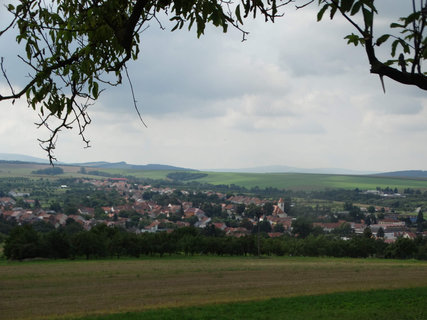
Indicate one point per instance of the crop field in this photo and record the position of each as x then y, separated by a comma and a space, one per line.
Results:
300, 181
296, 181
50, 289
375, 304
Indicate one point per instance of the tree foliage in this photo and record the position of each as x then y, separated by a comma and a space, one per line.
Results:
102, 241
410, 41
76, 48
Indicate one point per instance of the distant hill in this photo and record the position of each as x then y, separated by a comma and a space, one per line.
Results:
21, 157
418, 174
126, 166
98, 164
286, 169
413, 174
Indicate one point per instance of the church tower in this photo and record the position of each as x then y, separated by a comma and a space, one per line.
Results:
281, 204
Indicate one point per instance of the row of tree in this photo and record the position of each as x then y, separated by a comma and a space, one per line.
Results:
102, 241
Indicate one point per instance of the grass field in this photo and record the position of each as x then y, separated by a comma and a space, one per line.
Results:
80, 288
375, 305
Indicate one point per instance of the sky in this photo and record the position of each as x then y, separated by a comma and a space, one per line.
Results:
294, 94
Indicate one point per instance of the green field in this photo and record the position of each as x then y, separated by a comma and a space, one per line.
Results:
291, 181
376, 305
302, 181
49, 289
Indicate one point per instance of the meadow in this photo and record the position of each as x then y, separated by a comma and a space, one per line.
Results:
72, 289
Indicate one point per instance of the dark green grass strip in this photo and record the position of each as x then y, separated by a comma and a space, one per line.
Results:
378, 305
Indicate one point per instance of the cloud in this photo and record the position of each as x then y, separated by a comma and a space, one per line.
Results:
293, 94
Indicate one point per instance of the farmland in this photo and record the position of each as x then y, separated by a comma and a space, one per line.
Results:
293, 181
78, 288
290, 181
300, 181
376, 304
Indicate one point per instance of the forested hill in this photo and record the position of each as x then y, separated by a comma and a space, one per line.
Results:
126, 166
416, 174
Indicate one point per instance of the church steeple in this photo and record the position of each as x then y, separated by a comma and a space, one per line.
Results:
281, 204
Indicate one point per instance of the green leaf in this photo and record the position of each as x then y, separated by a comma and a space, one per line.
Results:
333, 11
396, 25
393, 47
370, 5
412, 17
382, 39
346, 5
95, 90
405, 46
352, 38
238, 16
322, 12
356, 8
368, 17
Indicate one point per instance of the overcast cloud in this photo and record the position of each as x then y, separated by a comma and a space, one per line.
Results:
294, 94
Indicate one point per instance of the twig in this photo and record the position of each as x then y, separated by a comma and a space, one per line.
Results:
133, 97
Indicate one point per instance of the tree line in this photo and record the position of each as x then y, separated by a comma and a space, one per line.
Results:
101, 241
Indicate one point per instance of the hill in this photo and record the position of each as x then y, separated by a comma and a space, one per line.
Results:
125, 166
21, 157
405, 174
287, 169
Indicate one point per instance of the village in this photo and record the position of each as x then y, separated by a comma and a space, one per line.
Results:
234, 215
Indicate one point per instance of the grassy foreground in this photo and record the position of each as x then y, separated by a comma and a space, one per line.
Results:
49, 289
376, 305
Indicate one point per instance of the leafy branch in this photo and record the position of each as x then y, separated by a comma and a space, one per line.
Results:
412, 27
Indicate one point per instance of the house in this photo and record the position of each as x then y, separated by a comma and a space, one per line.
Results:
58, 220
275, 234
108, 210
391, 222
85, 211
237, 232
153, 227
7, 214
173, 208
28, 217
203, 222
285, 221
328, 226
30, 202
220, 225
181, 224
278, 211
78, 219
7, 201
229, 208
358, 228
190, 212
390, 237
44, 216
17, 213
